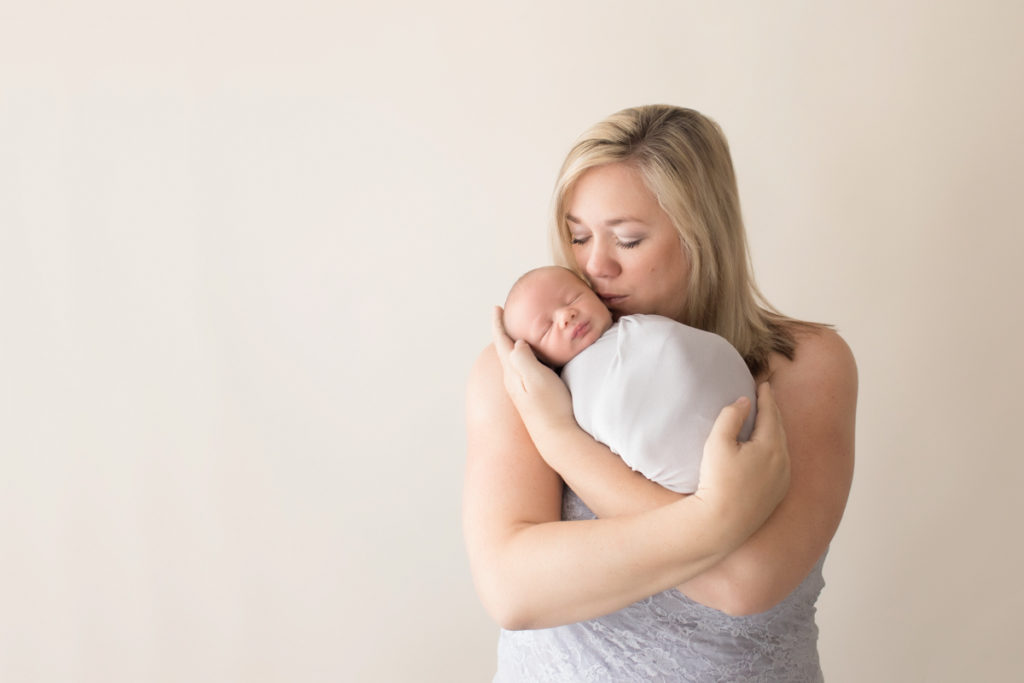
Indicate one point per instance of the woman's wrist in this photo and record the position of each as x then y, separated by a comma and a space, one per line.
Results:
556, 438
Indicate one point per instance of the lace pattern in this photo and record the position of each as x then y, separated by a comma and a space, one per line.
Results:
668, 637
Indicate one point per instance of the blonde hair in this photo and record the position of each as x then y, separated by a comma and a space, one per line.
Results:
684, 160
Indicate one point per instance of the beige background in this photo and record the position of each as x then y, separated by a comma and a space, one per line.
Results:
247, 255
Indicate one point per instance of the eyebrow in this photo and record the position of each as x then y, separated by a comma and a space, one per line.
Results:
611, 222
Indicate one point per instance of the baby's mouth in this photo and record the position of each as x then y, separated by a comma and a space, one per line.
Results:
580, 330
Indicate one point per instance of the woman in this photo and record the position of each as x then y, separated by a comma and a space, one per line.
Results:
719, 585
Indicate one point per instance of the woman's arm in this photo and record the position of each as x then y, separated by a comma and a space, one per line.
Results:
532, 570
816, 395
606, 484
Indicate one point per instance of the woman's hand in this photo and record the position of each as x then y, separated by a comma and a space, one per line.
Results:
540, 396
746, 479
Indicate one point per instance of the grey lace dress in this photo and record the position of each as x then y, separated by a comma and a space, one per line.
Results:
668, 637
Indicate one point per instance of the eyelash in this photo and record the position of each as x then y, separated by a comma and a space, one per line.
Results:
576, 241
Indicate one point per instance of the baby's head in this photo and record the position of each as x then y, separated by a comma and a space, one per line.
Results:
556, 313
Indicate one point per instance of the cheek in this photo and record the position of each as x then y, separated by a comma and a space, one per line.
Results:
678, 267
576, 251
667, 277
660, 268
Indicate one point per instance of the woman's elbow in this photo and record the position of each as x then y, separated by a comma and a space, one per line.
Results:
512, 620
508, 610
499, 593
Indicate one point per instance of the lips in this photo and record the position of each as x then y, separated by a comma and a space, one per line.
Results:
610, 298
580, 330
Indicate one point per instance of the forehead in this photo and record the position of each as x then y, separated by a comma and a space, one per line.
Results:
547, 286
610, 189
548, 279
540, 292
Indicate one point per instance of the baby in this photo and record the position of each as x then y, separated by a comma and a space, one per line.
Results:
648, 387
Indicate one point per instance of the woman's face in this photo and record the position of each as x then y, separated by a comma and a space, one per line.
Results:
626, 244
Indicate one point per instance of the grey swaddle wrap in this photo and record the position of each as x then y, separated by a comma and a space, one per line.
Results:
651, 388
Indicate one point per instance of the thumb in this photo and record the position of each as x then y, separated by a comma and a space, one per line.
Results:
730, 421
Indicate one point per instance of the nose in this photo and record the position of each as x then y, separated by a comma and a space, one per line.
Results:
565, 315
600, 261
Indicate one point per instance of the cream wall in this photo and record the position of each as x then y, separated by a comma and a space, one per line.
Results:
247, 254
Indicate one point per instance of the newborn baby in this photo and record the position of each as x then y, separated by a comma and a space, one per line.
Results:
648, 387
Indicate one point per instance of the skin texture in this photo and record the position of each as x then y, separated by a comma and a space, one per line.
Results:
556, 313
626, 244
731, 545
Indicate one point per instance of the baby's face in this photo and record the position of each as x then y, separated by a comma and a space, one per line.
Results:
556, 314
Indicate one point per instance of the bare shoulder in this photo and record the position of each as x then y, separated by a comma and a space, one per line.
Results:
817, 396
824, 346
822, 367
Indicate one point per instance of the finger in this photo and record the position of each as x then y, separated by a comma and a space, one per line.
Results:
730, 421
523, 362
765, 396
522, 357
502, 342
768, 416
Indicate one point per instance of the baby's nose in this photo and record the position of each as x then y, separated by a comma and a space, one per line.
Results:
566, 315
